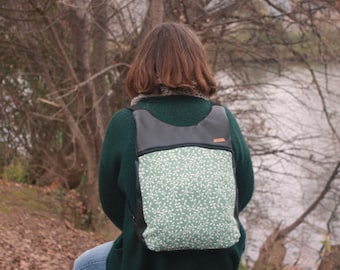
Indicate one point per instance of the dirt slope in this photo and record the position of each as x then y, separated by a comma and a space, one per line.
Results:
37, 228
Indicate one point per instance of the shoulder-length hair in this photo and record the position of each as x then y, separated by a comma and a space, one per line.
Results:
170, 56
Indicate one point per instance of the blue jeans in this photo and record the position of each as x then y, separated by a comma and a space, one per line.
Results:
93, 259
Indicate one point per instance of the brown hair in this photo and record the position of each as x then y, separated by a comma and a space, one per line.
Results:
171, 55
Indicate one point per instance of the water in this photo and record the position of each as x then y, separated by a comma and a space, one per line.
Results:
306, 148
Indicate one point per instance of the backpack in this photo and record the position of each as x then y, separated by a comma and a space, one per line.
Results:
186, 188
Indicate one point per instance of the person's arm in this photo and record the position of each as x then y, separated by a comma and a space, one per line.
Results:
111, 196
244, 167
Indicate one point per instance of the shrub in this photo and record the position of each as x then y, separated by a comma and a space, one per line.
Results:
16, 171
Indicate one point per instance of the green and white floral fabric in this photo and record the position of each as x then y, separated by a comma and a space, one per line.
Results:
188, 196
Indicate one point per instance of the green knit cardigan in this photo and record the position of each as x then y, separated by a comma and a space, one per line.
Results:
117, 183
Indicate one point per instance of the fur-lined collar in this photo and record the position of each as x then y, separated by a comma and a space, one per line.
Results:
168, 92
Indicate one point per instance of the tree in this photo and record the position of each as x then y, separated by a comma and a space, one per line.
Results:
55, 56
59, 55
273, 251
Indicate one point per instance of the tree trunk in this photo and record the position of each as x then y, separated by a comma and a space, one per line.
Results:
156, 12
272, 252
331, 259
101, 103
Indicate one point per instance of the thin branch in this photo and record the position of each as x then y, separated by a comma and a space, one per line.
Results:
50, 118
299, 220
49, 102
57, 40
94, 76
322, 98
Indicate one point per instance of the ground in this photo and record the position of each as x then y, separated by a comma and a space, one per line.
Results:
38, 228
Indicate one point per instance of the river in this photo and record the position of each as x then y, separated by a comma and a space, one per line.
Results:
289, 179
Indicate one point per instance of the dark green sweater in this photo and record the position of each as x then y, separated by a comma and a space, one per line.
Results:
117, 187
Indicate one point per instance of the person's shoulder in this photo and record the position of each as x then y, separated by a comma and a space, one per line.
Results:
123, 114
121, 118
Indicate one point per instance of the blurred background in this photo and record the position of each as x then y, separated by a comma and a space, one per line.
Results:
62, 71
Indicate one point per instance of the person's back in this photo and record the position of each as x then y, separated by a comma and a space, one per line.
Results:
169, 78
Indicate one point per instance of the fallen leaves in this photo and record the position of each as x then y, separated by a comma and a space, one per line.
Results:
37, 240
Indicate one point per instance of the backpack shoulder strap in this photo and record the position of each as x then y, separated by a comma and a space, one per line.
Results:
134, 107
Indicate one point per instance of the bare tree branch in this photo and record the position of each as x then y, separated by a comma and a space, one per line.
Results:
283, 232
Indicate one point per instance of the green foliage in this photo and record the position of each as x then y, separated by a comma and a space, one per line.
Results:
16, 171
60, 193
242, 267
